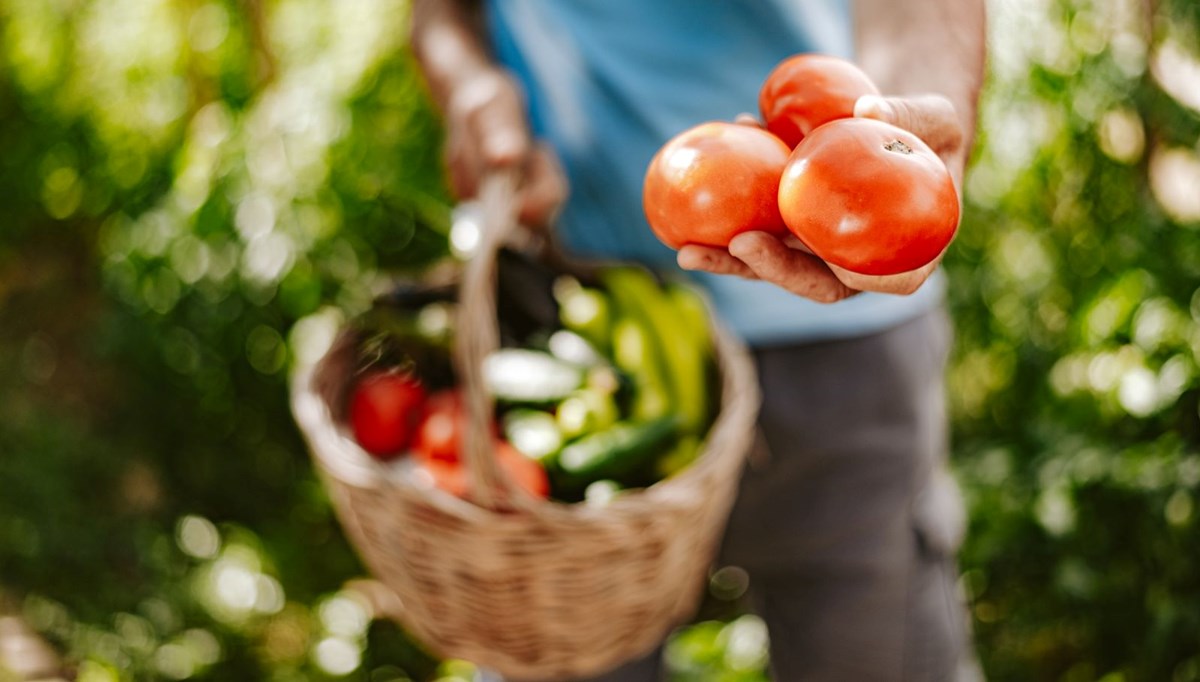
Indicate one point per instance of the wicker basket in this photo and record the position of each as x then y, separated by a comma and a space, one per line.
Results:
534, 590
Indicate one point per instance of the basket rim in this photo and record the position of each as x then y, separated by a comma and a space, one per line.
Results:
338, 456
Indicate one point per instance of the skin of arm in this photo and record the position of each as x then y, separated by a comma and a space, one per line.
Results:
928, 56
487, 127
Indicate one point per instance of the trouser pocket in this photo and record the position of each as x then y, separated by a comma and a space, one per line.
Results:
939, 515
937, 633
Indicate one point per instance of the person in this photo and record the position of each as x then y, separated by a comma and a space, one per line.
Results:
848, 528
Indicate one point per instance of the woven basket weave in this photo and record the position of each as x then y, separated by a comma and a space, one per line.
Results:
534, 590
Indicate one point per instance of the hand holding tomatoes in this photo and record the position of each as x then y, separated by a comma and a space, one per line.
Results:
787, 263
864, 215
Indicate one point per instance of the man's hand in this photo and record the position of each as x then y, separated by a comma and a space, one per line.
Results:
486, 124
486, 130
789, 265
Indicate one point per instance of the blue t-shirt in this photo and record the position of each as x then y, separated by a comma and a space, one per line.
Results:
609, 81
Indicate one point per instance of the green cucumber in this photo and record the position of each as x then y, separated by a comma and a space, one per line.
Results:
573, 348
517, 375
636, 353
694, 312
618, 450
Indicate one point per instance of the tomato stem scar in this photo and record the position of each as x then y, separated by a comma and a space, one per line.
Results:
898, 146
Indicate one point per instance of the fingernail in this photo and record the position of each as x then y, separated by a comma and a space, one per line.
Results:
872, 106
746, 238
747, 120
503, 146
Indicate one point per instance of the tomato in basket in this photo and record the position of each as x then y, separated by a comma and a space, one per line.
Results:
439, 435
525, 473
385, 409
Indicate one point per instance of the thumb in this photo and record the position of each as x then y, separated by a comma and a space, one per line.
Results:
930, 117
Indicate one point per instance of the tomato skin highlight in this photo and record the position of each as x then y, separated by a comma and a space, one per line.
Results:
713, 182
869, 197
384, 411
439, 436
807, 91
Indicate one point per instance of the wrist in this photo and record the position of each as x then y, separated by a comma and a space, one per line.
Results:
449, 45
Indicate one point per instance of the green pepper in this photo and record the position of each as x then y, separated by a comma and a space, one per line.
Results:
684, 357
635, 352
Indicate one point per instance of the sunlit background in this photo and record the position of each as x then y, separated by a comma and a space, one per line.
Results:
195, 192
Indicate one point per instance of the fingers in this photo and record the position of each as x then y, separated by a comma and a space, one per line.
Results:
930, 117
709, 259
544, 189
491, 109
903, 284
747, 120
798, 272
486, 130
759, 255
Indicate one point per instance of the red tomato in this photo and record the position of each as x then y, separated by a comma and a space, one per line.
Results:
713, 182
384, 410
439, 436
448, 476
810, 90
869, 197
525, 473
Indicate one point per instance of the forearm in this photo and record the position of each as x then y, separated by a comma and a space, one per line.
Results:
447, 40
925, 47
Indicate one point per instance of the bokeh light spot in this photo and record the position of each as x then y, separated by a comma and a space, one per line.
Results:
1175, 181
337, 656
344, 615
1121, 136
265, 350
208, 28
197, 537
1179, 507
1178, 72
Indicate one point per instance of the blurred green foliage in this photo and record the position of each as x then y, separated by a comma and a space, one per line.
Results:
184, 180
1078, 316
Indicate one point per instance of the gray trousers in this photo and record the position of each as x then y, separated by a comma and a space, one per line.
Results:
848, 524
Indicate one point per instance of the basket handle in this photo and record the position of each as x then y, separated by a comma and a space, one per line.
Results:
478, 334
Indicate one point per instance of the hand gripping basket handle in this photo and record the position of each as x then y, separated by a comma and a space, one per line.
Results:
477, 335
